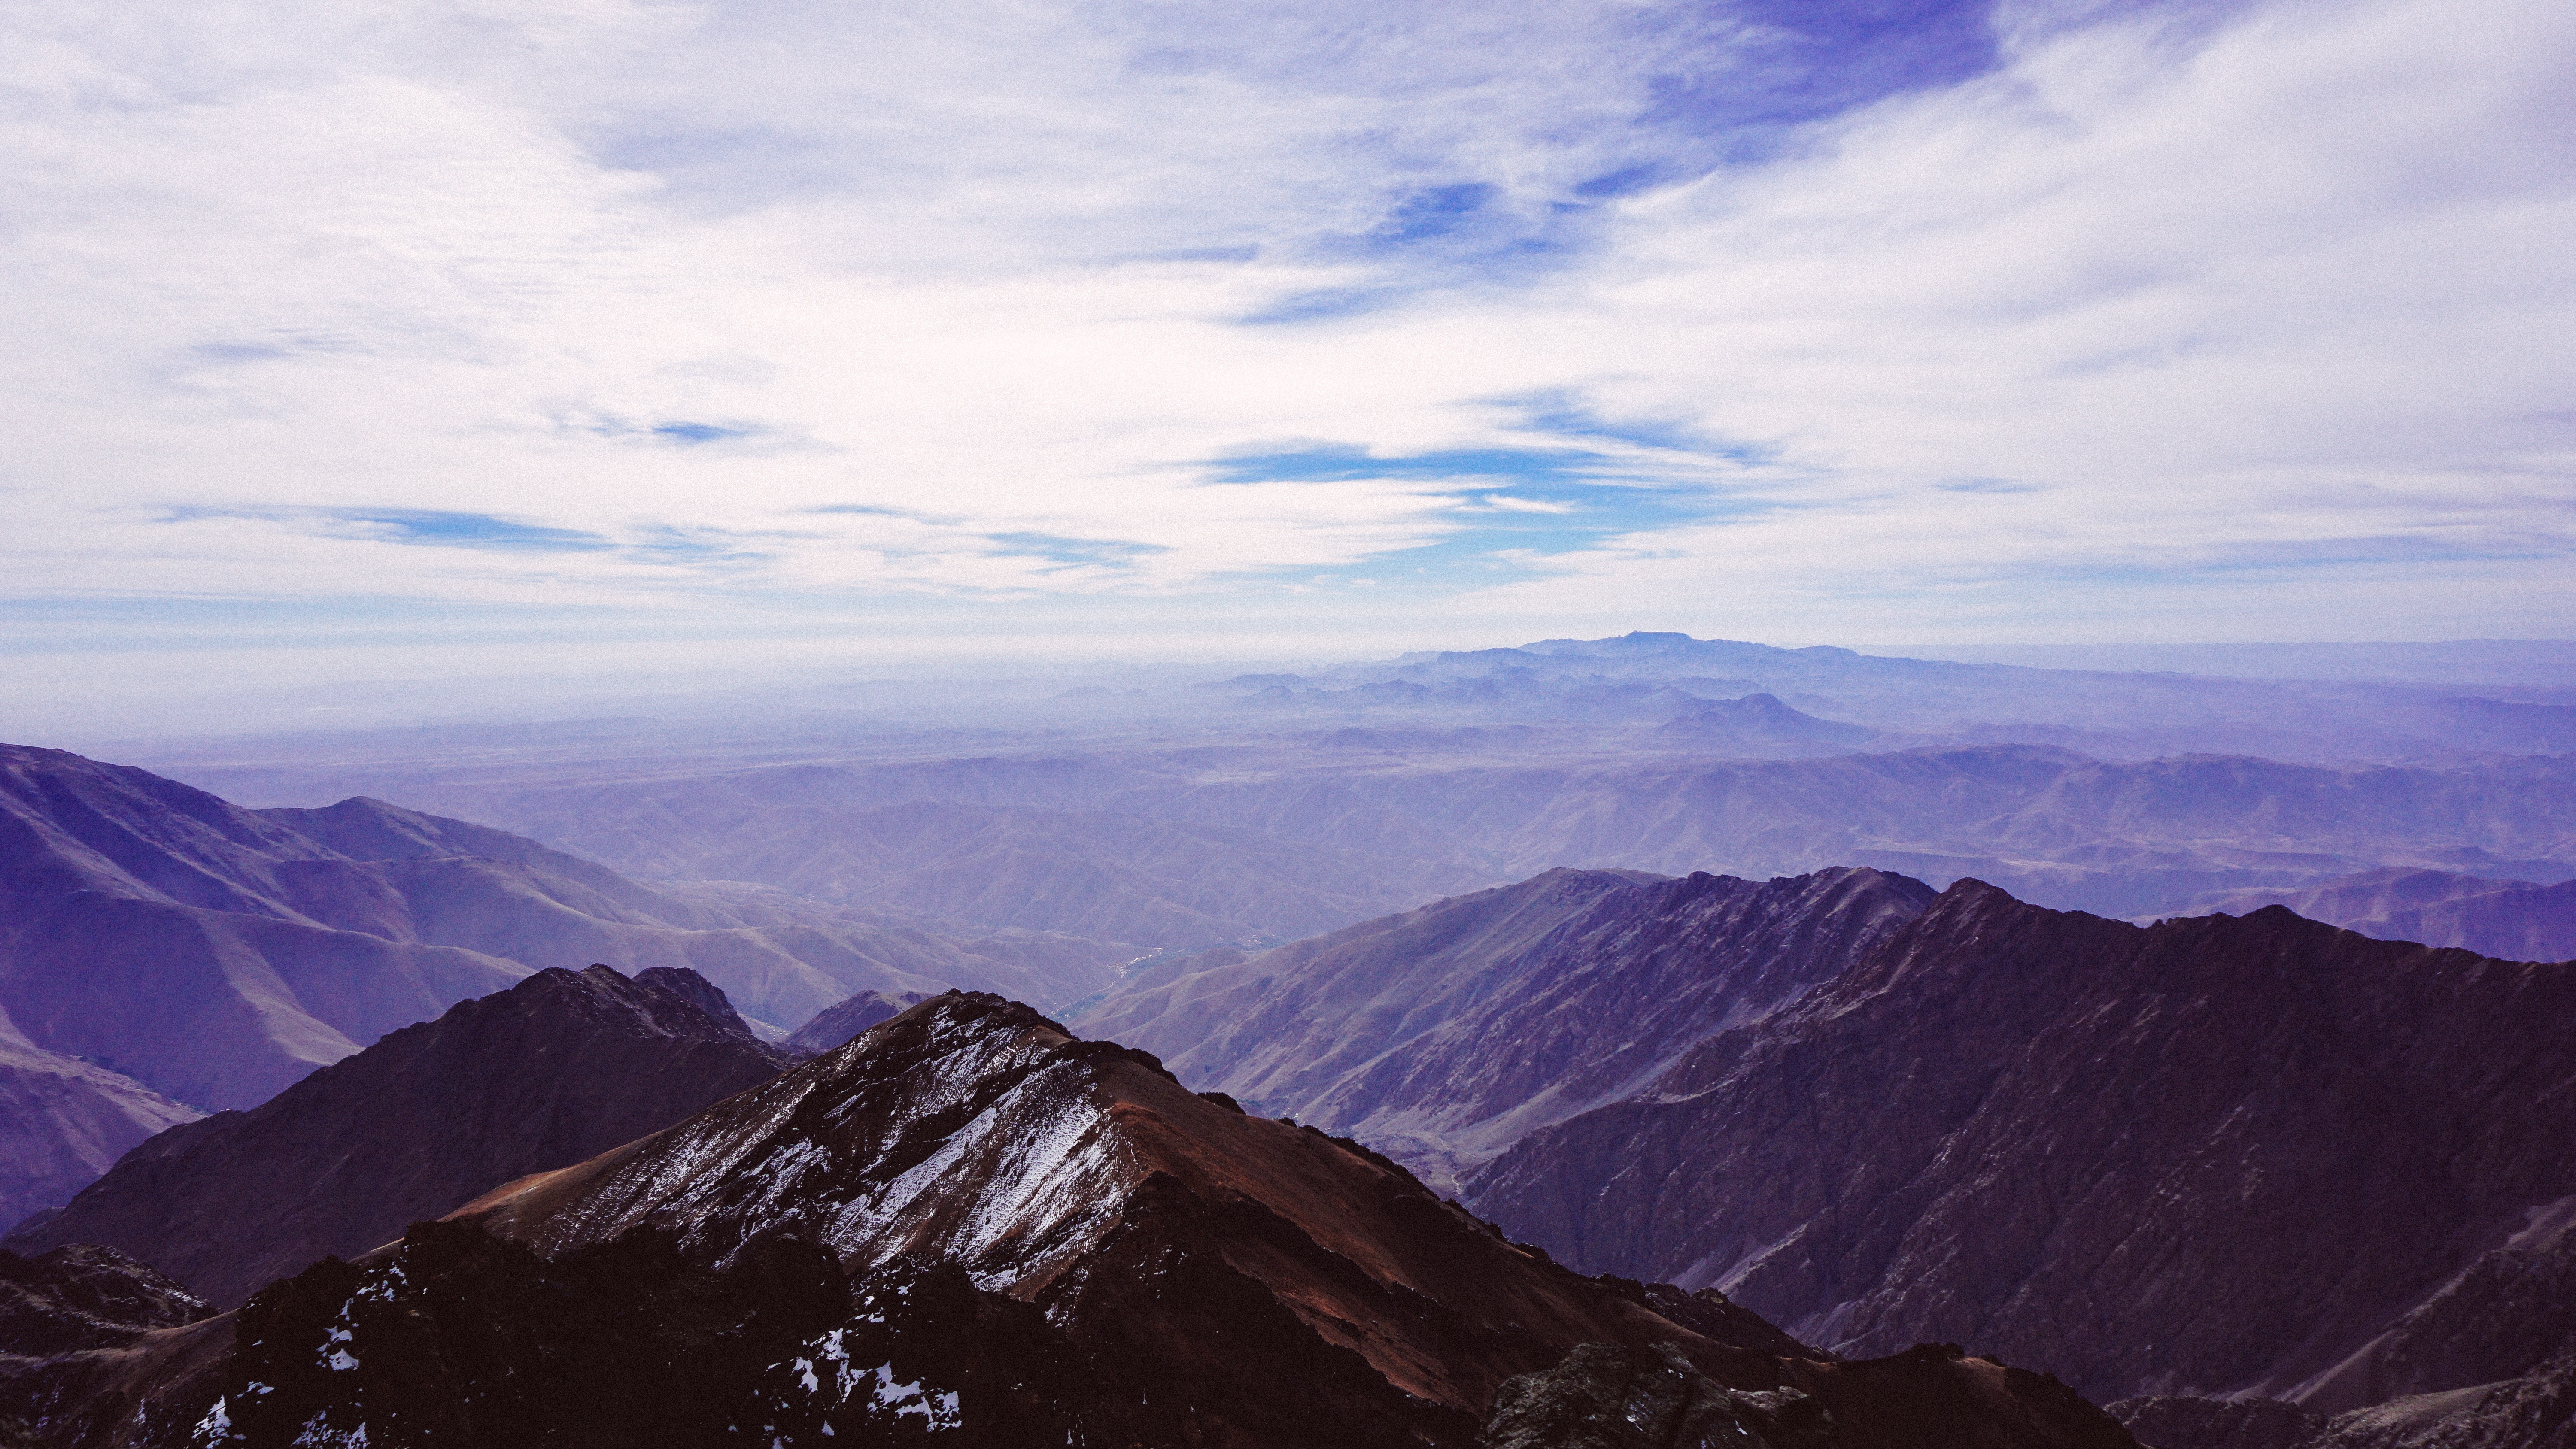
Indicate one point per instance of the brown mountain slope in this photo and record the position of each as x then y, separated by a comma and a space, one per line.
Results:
549, 1072
1443, 1034
2215, 1154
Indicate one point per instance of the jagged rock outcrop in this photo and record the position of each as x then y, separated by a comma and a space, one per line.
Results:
2217, 1154
2533, 1411
837, 1024
1443, 1034
559, 1067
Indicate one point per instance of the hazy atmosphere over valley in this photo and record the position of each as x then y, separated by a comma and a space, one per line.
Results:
1623, 726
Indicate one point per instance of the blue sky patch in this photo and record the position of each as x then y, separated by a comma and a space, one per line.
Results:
697, 432
465, 530
1058, 549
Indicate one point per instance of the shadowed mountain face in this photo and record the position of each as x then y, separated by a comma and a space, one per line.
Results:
1443, 1034
1044, 1241
2215, 1154
559, 1067
2488, 1361
216, 954
2510, 920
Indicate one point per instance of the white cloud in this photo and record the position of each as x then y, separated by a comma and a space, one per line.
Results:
2252, 327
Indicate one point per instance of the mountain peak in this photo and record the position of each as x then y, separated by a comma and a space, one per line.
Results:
548, 1072
1153, 1225
974, 1130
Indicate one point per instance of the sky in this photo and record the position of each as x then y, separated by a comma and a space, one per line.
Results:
375, 339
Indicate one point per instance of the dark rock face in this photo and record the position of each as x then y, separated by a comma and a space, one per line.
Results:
2217, 1154
2534, 1411
84, 1296
1443, 1034
2182, 1421
456, 1337
60, 1313
1605, 1397
2497, 1319
557, 1068
2510, 920
839, 1023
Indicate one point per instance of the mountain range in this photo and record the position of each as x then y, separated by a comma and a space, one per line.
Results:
2512, 920
2218, 1155
1444, 1034
968, 1226
562, 1065
163, 952
1252, 845
2153, 1159
1756, 982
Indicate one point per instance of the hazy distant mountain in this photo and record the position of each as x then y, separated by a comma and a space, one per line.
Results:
216, 954
2153, 711
2217, 1154
1190, 849
2509, 920
837, 1024
155, 930
560, 1066
62, 1121
1109, 875
1443, 1034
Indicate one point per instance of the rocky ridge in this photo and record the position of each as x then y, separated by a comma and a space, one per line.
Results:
967, 1226
1442, 1035
2069, 1139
